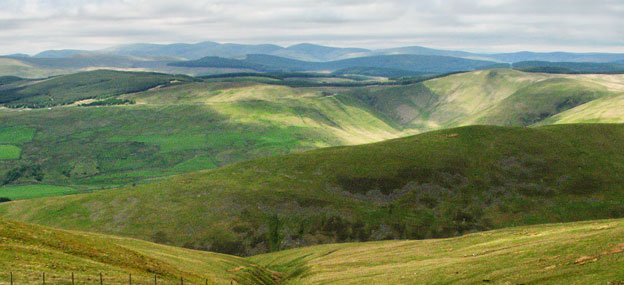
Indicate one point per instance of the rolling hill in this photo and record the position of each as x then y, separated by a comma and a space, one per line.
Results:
573, 253
416, 63
27, 251
437, 184
581, 252
319, 53
67, 89
606, 110
569, 67
208, 58
110, 144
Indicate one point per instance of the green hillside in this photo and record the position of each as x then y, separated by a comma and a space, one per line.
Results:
581, 252
67, 89
182, 128
607, 110
569, 67
542, 100
574, 253
15, 67
28, 251
195, 124
414, 63
438, 184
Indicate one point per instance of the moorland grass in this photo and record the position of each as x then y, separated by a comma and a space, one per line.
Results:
569, 253
28, 251
437, 184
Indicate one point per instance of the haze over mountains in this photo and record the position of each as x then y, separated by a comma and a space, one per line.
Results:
312, 52
209, 58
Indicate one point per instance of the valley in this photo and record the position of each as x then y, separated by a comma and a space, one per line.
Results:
411, 168
436, 184
148, 130
578, 252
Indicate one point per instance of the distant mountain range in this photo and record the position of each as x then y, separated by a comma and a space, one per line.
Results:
406, 62
312, 52
209, 58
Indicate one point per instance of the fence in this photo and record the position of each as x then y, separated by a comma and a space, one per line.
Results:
13, 278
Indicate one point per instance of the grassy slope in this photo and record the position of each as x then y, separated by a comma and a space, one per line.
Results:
497, 97
581, 252
68, 89
28, 250
160, 135
436, 184
505, 97
15, 67
607, 110
573, 253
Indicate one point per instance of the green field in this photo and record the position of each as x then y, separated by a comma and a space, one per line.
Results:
437, 184
9, 152
16, 135
34, 191
581, 252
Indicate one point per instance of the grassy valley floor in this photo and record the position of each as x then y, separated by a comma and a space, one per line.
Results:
579, 253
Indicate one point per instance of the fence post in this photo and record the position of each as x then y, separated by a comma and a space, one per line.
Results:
155, 279
43, 278
101, 281
72, 278
11, 277
181, 281
130, 279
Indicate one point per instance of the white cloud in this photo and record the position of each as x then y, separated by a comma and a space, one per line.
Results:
485, 25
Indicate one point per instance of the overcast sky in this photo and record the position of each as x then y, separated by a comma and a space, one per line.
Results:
30, 26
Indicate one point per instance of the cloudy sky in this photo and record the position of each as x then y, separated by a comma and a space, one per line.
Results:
30, 26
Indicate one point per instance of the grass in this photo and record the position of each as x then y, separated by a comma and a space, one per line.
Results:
28, 251
67, 89
542, 100
580, 252
607, 109
16, 135
573, 253
199, 124
437, 184
10, 152
34, 191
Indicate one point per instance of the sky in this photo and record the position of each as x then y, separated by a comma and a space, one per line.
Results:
31, 26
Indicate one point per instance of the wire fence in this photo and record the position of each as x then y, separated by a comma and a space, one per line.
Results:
74, 278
